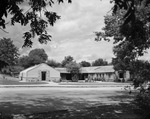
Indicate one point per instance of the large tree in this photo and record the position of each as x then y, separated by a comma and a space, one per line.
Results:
35, 56
38, 16
130, 30
129, 25
67, 60
85, 64
74, 69
8, 51
99, 62
53, 63
24, 61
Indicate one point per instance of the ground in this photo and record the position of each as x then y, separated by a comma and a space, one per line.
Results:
62, 103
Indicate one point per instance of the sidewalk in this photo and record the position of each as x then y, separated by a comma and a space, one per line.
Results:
52, 84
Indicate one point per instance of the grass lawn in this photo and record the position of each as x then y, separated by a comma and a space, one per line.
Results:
58, 103
14, 81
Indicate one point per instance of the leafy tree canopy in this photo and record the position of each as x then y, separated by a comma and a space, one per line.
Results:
8, 51
129, 24
67, 60
35, 56
85, 64
73, 67
99, 62
53, 63
32, 16
24, 61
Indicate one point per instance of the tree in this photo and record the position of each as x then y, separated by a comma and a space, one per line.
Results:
37, 16
24, 61
35, 56
74, 69
12, 70
126, 27
8, 51
99, 62
85, 64
130, 34
53, 63
67, 60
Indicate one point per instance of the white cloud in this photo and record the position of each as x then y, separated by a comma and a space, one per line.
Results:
73, 33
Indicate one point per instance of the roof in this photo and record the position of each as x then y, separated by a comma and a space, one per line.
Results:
62, 70
95, 69
30, 68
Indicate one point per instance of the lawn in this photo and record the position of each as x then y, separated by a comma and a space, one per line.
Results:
15, 81
63, 103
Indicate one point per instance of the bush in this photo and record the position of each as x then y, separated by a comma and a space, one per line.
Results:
75, 78
142, 103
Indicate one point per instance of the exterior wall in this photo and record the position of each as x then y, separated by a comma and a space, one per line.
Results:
126, 75
35, 74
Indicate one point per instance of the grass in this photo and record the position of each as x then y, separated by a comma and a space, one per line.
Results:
11, 81
66, 104
121, 111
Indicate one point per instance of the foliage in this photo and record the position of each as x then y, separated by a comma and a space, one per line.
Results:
142, 103
38, 52
8, 51
24, 61
67, 60
35, 56
12, 70
53, 63
85, 64
128, 26
3, 64
140, 72
33, 16
99, 62
123, 57
74, 69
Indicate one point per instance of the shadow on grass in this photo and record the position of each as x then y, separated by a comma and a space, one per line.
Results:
122, 110
119, 111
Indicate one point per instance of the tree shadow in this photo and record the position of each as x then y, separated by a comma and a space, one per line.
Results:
63, 110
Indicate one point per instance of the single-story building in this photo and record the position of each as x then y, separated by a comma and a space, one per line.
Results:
96, 73
40, 72
44, 72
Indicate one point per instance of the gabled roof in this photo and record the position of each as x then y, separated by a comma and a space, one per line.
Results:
94, 69
30, 68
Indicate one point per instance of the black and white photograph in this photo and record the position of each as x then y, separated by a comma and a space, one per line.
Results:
74, 59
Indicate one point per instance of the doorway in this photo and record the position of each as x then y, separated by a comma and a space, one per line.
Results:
43, 75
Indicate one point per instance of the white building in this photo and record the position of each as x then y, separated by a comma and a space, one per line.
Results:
41, 72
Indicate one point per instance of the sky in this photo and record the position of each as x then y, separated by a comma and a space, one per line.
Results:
73, 34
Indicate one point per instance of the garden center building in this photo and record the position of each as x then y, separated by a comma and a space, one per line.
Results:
44, 72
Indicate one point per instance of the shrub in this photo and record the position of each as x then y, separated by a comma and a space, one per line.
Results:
142, 102
75, 78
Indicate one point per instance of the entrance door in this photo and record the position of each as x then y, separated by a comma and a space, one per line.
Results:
43, 75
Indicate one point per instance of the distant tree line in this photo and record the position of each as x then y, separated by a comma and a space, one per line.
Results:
13, 62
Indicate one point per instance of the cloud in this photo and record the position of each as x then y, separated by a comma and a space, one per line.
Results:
73, 33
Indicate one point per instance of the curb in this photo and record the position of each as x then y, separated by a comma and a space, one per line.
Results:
59, 86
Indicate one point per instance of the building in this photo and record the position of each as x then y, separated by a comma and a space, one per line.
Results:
41, 72
44, 72
97, 73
